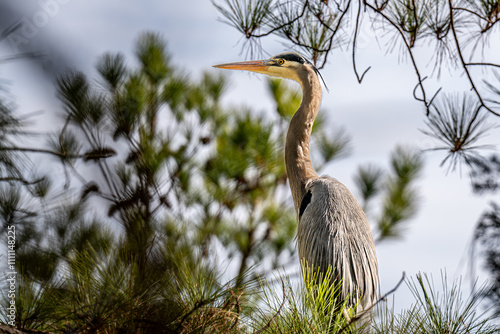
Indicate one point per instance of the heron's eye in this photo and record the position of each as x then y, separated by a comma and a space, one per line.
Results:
281, 61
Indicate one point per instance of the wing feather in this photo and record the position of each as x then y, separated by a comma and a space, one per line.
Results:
333, 231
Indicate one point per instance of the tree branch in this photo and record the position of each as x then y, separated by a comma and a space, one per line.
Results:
383, 298
21, 180
40, 150
274, 316
306, 5
410, 53
482, 64
471, 12
464, 65
355, 38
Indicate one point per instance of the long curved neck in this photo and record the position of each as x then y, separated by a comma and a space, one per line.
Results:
299, 168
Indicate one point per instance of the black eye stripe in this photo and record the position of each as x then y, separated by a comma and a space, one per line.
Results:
293, 57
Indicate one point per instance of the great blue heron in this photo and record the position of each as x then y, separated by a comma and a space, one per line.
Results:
332, 228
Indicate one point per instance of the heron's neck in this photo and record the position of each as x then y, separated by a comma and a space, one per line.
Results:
297, 158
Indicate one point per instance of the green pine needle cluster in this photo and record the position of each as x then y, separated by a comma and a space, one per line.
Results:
438, 310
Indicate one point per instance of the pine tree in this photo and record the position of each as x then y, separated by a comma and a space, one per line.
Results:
160, 184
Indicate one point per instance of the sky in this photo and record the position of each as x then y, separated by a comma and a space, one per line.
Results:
378, 114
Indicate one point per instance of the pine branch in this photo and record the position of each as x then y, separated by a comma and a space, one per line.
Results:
21, 180
464, 65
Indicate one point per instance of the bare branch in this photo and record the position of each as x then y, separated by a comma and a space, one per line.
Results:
410, 53
277, 28
482, 64
39, 150
25, 55
369, 309
471, 12
354, 42
464, 64
274, 316
21, 180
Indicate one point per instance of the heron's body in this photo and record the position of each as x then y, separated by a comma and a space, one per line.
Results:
332, 228
321, 244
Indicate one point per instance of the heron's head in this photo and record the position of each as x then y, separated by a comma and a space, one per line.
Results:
288, 65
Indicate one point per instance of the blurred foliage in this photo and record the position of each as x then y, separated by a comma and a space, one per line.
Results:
401, 197
393, 192
160, 186
485, 174
167, 180
487, 237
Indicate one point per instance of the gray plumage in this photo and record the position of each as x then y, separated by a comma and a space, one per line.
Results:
332, 228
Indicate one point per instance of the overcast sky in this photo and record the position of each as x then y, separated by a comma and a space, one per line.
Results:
377, 115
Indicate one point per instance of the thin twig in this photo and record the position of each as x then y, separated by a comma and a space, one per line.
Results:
197, 305
482, 64
21, 180
469, 127
415, 91
327, 26
9, 30
238, 308
415, 17
369, 309
78, 175
274, 316
306, 5
464, 65
471, 12
433, 97
40, 150
334, 31
25, 55
354, 42
391, 291
410, 53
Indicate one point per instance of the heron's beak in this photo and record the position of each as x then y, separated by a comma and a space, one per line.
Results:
259, 66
